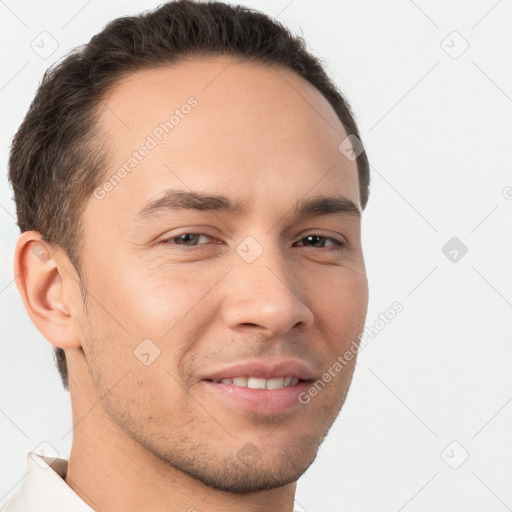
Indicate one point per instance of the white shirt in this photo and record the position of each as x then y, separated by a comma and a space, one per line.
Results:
43, 488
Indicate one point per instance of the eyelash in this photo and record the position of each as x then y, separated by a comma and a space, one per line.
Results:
338, 244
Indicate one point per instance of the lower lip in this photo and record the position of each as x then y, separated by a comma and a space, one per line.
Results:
262, 401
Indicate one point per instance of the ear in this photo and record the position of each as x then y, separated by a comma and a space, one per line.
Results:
42, 274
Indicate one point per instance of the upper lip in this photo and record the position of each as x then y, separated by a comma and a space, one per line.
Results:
264, 370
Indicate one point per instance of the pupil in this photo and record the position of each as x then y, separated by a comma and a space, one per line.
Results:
187, 237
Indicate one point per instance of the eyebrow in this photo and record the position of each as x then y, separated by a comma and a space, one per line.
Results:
189, 200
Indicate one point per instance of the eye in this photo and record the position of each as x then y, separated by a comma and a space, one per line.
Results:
186, 239
314, 239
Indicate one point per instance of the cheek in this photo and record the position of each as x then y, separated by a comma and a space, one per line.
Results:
145, 299
168, 306
172, 309
341, 304
121, 372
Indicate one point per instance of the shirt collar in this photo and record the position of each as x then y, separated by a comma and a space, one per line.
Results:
43, 488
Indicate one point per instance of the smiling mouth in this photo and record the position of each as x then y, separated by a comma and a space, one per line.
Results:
267, 395
260, 383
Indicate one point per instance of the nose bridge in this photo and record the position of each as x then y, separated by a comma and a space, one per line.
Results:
261, 291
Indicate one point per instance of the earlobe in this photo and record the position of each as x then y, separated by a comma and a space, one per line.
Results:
40, 278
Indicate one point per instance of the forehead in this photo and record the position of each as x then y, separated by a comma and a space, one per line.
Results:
216, 124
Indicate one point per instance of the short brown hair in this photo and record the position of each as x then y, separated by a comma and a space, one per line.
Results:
57, 160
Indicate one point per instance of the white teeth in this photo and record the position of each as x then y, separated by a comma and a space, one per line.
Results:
256, 383
259, 383
275, 383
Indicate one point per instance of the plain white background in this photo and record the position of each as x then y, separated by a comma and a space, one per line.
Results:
431, 87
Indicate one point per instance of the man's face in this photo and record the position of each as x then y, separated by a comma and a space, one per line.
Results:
266, 293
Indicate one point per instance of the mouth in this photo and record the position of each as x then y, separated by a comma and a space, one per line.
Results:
260, 383
264, 388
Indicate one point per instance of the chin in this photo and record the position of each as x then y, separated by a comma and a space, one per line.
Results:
236, 476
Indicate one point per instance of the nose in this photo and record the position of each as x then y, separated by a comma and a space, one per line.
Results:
265, 296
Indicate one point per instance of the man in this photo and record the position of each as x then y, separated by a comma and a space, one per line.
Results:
189, 187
